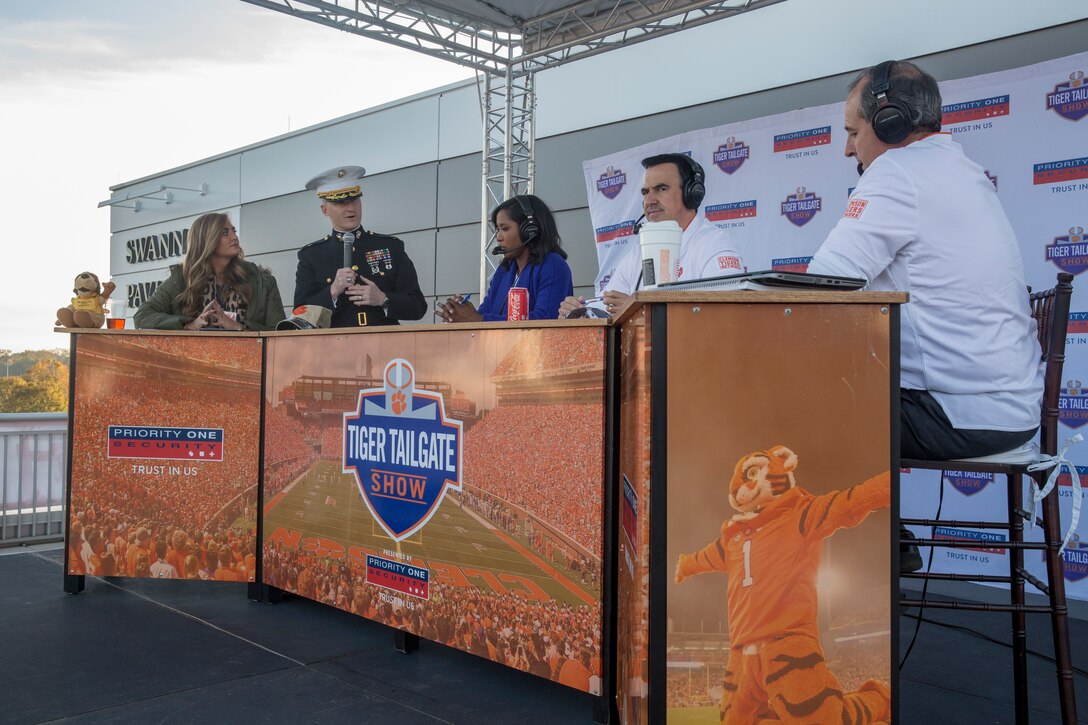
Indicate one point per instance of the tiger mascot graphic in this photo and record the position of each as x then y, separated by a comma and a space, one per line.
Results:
771, 551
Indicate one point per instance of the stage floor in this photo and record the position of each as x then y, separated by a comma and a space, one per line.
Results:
128, 650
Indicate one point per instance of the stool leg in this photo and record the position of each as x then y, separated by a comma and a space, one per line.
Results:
1016, 594
1059, 617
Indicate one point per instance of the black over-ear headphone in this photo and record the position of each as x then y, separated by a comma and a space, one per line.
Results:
693, 189
528, 229
891, 120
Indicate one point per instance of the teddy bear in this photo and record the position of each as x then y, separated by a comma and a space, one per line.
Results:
88, 306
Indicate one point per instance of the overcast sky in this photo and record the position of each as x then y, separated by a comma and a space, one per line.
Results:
96, 92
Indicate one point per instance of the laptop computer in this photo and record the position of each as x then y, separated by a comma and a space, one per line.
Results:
769, 279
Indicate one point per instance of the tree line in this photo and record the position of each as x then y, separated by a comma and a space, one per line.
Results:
34, 381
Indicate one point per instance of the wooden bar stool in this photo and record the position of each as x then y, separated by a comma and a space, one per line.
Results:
1051, 310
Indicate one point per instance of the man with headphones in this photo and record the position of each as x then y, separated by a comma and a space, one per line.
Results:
672, 189
925, 219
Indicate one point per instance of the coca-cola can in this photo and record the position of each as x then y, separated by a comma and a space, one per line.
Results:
517, 304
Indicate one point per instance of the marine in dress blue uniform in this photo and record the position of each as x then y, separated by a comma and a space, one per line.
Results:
381, 287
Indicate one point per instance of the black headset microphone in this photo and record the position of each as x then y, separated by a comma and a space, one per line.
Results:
501, 250
528, 229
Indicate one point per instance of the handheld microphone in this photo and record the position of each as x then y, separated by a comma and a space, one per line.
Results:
499, 250
349, 239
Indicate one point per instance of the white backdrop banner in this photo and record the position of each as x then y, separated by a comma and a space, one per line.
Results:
779, 184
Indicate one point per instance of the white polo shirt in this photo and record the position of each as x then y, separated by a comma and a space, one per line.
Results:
705, 251
925, 219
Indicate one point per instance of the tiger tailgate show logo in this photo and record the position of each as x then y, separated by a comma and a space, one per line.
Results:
611, 182
403, 451
1069, 99
1069, 252
968, 482
1073, 404
731, 155
799, 208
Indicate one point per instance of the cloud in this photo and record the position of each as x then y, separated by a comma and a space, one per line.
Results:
46, 41
100, 93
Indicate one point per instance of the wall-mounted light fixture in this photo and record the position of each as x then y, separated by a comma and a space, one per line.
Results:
166, 198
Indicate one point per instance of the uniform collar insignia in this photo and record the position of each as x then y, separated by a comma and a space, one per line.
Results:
339, 236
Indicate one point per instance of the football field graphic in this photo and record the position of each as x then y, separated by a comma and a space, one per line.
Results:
457, 496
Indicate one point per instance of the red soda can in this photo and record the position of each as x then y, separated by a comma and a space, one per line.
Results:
517, 304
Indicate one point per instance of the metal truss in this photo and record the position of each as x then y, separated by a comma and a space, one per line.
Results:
507, 104
597, 26
492, 38
422, 27
506, 49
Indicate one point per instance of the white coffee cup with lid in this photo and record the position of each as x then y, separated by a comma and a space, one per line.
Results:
660, 242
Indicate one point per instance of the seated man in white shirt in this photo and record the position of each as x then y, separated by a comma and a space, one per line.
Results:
672, 189
925, 219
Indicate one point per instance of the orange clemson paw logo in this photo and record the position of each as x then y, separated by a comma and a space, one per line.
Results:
398, 402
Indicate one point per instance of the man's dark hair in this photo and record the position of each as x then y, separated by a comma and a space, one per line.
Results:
910, 87
683, 162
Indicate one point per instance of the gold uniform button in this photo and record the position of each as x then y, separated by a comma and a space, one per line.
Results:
328, 280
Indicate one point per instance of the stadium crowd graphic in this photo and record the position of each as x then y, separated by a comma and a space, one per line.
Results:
554, 640
632, 598
527, 595
197, 522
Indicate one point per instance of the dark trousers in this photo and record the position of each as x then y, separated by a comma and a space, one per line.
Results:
926, 433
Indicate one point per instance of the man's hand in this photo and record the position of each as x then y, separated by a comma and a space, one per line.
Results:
569, 305
365, 293
345, 277
614, 301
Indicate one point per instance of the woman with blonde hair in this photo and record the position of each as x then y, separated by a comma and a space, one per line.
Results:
214, 287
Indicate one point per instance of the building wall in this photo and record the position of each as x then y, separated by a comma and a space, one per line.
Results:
422, 153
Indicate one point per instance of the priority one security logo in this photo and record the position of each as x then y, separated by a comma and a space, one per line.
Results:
1069, 99
975, 110
403, 451
1070, 251
164, 443
791, 264
1078, 328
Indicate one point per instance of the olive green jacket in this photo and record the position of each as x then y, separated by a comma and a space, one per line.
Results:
162, 312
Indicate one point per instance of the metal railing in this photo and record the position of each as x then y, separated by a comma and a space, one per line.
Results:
33, 456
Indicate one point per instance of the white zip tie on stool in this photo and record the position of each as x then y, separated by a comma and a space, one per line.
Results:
1056, 463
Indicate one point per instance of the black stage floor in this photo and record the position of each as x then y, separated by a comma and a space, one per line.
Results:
129, 650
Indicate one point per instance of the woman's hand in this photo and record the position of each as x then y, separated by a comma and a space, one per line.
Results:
455, 309
205, 317
569, 305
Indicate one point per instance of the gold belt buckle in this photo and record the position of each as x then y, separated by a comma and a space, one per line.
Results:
362, 319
